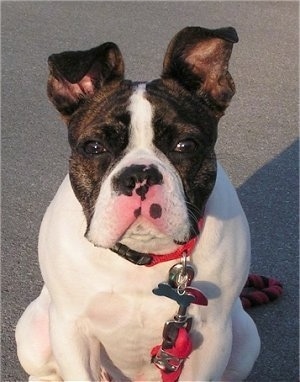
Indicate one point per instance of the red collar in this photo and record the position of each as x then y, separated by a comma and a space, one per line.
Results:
151, 259
186, 248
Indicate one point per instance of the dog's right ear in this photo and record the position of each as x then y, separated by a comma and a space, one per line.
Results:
76, 76
198, 59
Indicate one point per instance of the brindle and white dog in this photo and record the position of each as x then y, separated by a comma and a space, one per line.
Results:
143, 174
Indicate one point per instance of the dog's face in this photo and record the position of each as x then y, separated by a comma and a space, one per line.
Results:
143, 163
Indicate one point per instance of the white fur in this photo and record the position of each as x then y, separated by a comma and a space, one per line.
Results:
97, 309
141, 129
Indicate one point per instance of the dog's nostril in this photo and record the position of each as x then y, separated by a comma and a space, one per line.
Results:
154, 178
129, 182
125, 185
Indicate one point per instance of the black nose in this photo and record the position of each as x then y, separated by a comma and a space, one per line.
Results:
137, 177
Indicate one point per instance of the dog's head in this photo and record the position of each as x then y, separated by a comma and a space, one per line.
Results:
143, 163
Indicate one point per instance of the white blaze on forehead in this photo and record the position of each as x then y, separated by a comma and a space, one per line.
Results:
141, 130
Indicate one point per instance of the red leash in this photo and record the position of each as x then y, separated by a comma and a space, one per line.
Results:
258, 290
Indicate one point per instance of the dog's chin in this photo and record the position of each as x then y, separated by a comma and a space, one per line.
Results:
141, 236
144, 237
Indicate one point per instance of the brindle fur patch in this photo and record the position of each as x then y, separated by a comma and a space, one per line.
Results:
104, 119
179, 116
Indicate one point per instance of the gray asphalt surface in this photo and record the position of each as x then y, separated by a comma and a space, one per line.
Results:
257, 140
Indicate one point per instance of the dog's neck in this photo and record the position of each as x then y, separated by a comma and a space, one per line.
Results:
151, 259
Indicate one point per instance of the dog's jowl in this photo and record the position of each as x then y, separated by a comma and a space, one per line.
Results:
145, 207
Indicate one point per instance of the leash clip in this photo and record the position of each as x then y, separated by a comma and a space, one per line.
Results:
167, 362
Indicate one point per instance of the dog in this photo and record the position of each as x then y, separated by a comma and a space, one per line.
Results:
145, 222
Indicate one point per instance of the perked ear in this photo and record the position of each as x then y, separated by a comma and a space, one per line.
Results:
76, 76
198, 59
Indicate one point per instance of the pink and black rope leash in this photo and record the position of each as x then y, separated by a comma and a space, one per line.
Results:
260, 290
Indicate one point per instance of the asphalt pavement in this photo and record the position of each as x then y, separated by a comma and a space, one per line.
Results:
257, 139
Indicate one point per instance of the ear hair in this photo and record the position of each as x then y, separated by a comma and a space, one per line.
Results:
75, 76
198, 59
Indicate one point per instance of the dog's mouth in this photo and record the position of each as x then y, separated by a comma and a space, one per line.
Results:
142, 230
144, 235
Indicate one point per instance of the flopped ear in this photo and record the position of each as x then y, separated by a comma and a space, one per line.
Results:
75, 76
198, 59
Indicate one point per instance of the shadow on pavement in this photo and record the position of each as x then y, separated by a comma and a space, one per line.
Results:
270, 200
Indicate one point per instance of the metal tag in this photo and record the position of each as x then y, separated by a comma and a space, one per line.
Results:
181, 275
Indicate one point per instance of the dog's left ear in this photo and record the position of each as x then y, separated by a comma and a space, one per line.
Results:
198, 59
75, 76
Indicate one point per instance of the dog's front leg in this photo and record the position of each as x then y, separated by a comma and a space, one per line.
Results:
76, 352
209, 360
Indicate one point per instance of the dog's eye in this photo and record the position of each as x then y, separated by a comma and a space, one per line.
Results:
93, 148
186, 146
